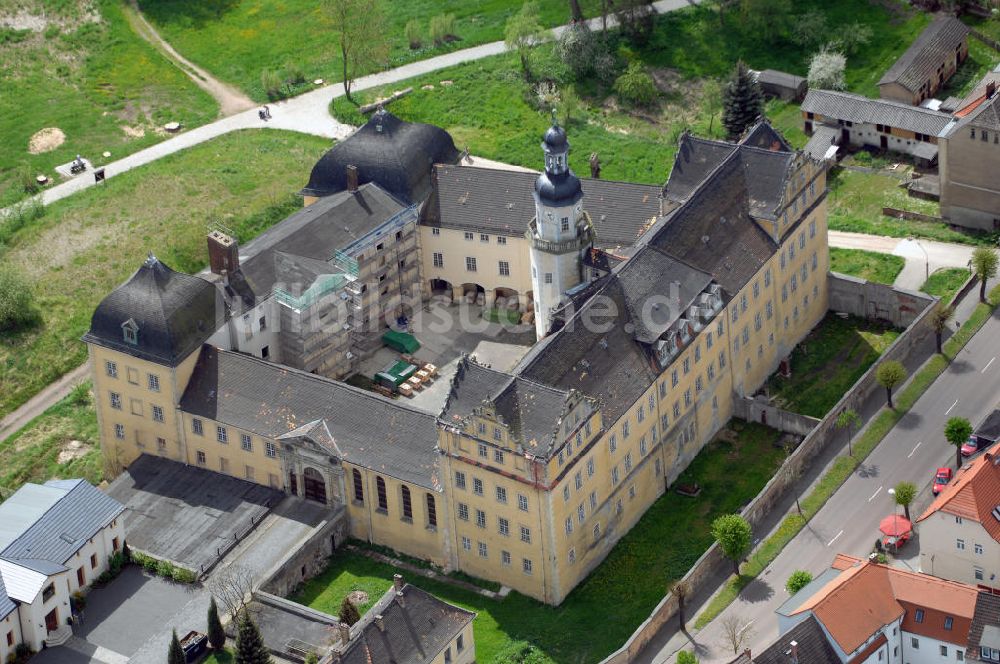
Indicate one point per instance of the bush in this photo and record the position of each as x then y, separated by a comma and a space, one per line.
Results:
293, 74
442, 26
520, 652
271, 82
636, 86
863, 157
686, 657
17, 308
826, 70
412, 32
578, 48
798, 580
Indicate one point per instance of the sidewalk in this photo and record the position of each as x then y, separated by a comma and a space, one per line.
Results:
922, 257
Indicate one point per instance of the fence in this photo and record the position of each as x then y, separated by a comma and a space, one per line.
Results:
712, 563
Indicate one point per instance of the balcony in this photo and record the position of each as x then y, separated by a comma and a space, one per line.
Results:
584, 238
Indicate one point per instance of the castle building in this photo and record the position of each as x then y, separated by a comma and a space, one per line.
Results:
698, 289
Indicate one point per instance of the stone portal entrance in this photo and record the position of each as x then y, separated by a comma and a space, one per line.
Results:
314, 486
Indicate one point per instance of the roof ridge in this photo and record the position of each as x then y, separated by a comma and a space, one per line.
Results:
889, 102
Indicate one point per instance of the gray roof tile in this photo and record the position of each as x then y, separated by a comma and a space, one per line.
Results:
813, 646
856, 108
934, 46
6, 603
987, 613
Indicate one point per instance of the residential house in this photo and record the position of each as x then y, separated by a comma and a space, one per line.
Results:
55, 540
984, 635
960, 530
970, 155
930, 60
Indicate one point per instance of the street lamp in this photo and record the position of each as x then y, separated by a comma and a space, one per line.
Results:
927, 258
892, 492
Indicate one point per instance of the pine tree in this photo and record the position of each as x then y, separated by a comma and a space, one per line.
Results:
742, 101
250, 647
175, 655
216, 635
348, 612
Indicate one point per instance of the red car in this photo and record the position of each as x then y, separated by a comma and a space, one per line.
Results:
941, 480
972, 446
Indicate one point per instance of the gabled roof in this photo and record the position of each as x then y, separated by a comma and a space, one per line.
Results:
498, 201
45, 525
985, 628
857, 108
974, 494
6, 603
867, 596
175, 313
763, 135
396, 155
318, 431
272, 400
23, 583
811, 644
694, 161
920, 62
409, 626
982, 113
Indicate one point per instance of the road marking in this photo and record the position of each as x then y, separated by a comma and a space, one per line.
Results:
877, 492
830, 543
952, 406
913, 451
988, 365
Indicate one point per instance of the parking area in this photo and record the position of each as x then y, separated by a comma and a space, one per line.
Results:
189, 516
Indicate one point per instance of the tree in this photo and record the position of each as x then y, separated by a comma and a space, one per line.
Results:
348, 612
957, 431
940, 317
737, 630
216, 635
636, 19
250, 647
742, 101
175, 654
984, 266
681, 590
733, 533
766, 17
522, 32
809, 29
578, 48
17, 308
722, 6
826, 70
798, 580
575, 13
234, 588
362, 36
636, 86
686, 657
848, 419
890, 374
905, 493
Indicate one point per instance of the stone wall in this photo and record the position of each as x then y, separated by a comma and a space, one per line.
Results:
758, 409
308, 560
847, 294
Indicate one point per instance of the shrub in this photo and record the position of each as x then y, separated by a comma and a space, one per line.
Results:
442, 26
293, 74
17, 308
348, 612
578, 49
547, 95
271, 82
412, 32
26, 178
520, 652
798, 580
686, 657
636, 86
826, 70
863, 157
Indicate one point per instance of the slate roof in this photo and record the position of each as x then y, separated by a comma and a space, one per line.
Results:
973, 494
6, 603
297, 247
813, 646
694, 161
50, 523
416, 627
763, 135
271, 400
396, 155
934, 46
856, 108
497, 201
986, 621
175, 313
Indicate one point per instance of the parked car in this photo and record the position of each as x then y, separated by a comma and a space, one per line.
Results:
941, 480
892, 543
973, 445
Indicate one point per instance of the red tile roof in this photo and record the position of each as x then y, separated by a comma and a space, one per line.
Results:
973, 494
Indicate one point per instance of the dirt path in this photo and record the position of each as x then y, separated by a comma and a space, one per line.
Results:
39, 403
230, 99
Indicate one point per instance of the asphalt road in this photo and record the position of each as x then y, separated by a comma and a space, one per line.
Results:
848, 523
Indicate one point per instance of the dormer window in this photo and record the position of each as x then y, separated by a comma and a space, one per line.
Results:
130, 330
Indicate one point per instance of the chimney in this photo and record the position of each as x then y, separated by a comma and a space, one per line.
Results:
352, 178
399, 598
991, 89
746, 653
397, 581
379, 623
345, 633
795, 652
223, 253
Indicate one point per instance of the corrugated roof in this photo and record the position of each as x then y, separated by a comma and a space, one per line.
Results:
856, 108
820, 142
973, 494
933, 47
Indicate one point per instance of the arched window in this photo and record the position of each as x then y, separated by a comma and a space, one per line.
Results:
359, 488
407, 505
432, 517
383, 502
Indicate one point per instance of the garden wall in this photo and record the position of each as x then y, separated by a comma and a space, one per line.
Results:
308, 560
759, 409
850, 295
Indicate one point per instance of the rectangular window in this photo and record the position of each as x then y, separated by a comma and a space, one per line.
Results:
919, 616
614, 475
470, 263
914, 643
572, 556
505, 558
477, 486
569, 525
246, 442
498, 456
564, 224
526, 566
136, 405
578, 481
501, 239
463, 511
548, 277
677, 409
161, 444
468, 235
593, 500
504, 269
503, 526
116, 401
466, 543
435, 231
590, 468
438, 259
625, 431
708, 339
483, 237
111, 369
960, 544
221, 434
269, 449
502, 495
263, 323
612, 443
120, 431
978, 548
447, 655
949, 622
201, 458
628, 462
154, 382
157, 414
525, 534
522, 502
483, 553
944, 651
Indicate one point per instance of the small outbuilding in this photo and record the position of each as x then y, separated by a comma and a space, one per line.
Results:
782, 85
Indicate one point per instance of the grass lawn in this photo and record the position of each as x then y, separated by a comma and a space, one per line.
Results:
982, 59
224, 657
92, 77
584, 628
262, 34
86, 245
828, 361
67, 429
880, 268
856, 201
945, 282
